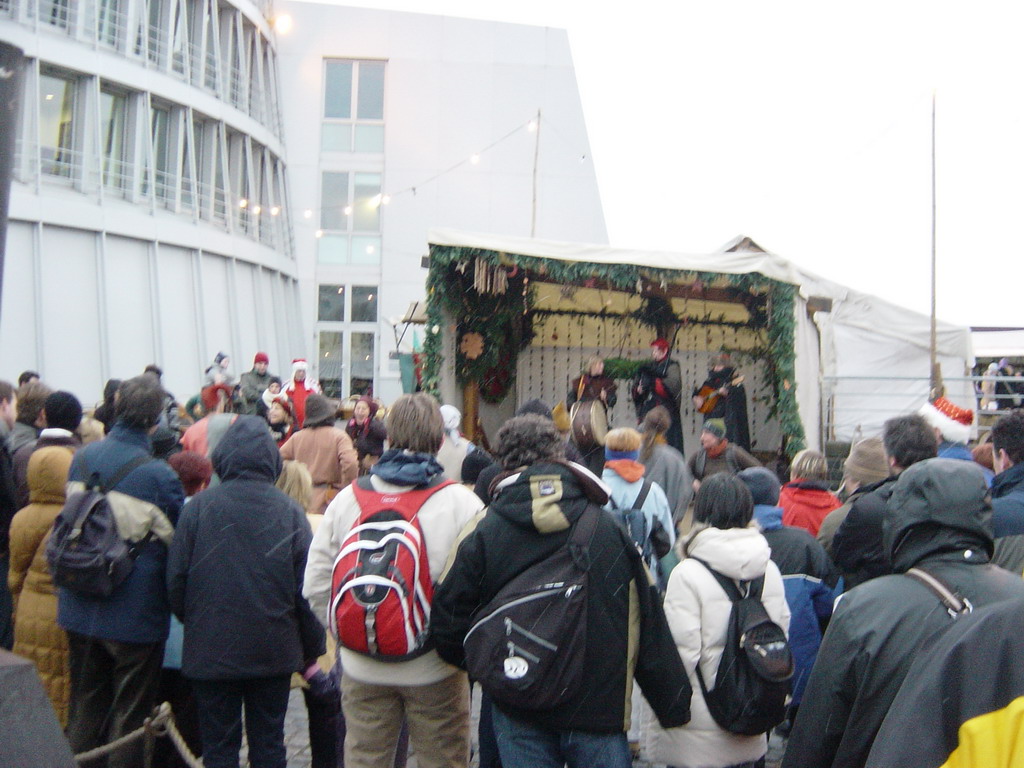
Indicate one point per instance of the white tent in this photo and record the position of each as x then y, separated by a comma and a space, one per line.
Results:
859, 359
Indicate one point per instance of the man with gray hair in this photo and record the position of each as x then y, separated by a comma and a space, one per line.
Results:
116, 643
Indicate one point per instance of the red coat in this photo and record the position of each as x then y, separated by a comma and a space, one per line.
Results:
805, 503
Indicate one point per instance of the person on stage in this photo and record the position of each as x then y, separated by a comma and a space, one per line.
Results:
724, 390
592, 384
659, 382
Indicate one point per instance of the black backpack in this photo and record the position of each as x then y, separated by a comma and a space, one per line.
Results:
752, 683
526, 646
85, 551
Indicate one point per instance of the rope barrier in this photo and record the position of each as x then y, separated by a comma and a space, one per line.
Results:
159, 724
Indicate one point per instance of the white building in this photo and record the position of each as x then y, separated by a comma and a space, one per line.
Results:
190, 181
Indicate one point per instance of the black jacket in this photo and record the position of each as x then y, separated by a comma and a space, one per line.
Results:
972, 674
1008, 518
857, 547
937, 519
625, 620
236, 567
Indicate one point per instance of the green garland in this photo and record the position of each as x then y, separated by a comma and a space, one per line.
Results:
502, 320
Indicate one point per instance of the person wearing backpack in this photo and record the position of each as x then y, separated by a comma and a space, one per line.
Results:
560, 660
937, 521
640, 503
401, 520
699, 611
116, 643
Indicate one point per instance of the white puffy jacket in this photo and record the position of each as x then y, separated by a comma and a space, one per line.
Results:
698, 610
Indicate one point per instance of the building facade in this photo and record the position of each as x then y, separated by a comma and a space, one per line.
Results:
196, 176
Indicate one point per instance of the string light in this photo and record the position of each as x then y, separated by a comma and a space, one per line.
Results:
243, 203
257, 209
307, 214
319, 233
475, 158
275, 210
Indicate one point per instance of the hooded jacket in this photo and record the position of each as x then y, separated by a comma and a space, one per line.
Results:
441, 517
147, 500
698, 611
806, 503
811, 582
36, 634
857, 545
937, 519
235, 571
626, 636
1008, 518
963, 697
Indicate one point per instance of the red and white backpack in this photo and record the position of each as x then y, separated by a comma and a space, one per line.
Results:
381, 589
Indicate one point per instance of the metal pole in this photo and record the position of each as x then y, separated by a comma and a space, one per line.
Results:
12, 77
936, 373
536, 165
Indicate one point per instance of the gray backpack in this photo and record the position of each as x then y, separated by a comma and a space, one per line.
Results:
85, 551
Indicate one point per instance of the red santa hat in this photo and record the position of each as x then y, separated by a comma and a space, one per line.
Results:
299, 364
952, 421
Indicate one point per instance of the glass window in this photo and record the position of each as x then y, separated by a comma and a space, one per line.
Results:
361, 380
57, 124
161, 122
365, 250
366, 207
113, 123
332, 249
332, 303
364, 304
109, 23
369, 138
331, 362
338, 89
337, 137
371, 90
334, 201
55, 12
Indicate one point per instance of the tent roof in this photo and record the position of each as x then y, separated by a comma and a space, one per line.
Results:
739, 256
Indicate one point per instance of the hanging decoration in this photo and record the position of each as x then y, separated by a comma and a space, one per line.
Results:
495, 303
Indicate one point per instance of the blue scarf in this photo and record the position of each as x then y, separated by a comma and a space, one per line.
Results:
406, 468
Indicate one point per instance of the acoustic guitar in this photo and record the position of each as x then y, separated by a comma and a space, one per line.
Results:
712, 396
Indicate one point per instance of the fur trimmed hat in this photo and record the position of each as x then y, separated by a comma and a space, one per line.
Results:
950, 419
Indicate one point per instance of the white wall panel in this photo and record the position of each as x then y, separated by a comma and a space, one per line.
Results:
129, 312
17, 315
70, 312
182, 360
248, 320
215, 309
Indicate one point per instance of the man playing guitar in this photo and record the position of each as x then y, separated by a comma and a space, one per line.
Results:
722, 396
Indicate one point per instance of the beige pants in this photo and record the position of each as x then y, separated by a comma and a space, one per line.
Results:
438, 716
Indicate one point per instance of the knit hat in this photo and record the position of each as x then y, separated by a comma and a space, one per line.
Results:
261, 357
763, 485
220, 357
661, 344
537, 407
866, 463
62, 410
475, 462
952, 421
319, 411
716, 427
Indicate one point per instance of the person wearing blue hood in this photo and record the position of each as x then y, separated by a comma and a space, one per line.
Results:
234, 578
811, 580
432, 695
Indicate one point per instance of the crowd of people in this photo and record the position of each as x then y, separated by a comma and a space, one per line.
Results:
279, 541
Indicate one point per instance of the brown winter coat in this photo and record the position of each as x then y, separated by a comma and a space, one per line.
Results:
329, 455
36, 634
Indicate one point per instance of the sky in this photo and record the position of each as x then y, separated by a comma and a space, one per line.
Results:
806, 126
